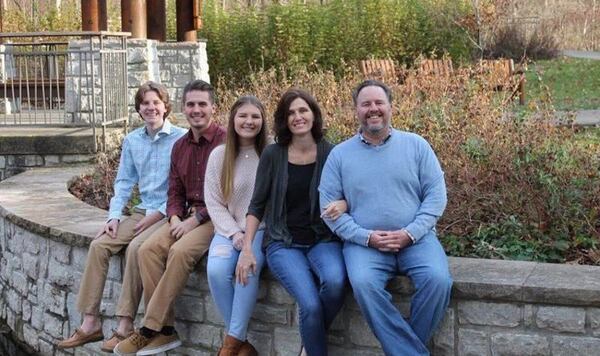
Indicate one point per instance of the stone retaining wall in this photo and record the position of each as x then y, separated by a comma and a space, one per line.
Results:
11, 165
497, 307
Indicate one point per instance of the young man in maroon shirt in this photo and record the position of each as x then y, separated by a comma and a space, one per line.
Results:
167, 258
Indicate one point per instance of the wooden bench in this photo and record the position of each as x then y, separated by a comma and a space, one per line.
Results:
436, 67
501, 75
383, 69
51, 91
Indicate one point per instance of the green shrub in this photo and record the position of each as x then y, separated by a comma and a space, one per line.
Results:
330, 36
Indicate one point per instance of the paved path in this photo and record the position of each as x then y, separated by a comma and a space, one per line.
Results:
582, 54
588, 118
585, 117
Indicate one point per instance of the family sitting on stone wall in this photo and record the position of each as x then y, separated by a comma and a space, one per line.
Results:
365, 209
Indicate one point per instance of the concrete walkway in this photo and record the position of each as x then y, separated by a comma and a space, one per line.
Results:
588, 118
584, 117
581, 54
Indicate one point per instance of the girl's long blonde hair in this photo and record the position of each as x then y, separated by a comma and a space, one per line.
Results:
232, 143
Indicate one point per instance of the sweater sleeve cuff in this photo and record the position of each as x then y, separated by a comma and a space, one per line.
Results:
414, 233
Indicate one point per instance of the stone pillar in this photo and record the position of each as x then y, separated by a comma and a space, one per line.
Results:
142, 66
181, 62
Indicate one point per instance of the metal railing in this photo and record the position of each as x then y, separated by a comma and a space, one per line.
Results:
64, 79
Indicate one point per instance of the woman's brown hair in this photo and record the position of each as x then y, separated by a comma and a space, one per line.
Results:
232, 143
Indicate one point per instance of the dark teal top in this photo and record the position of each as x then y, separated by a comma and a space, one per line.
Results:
269, 198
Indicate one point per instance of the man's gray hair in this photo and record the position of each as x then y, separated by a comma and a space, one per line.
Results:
371, 83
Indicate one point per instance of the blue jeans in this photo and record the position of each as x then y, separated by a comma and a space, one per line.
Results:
426, 264
234, 301
316, 277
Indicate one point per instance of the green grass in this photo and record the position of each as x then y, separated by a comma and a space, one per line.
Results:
571, 83
589, 136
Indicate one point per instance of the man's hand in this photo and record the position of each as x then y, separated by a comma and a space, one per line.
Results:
334, 210
179, 228
238, 240
110, 228
147, 221
389, 241
246, 264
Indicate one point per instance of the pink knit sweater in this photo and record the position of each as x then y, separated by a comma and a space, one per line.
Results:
229, 216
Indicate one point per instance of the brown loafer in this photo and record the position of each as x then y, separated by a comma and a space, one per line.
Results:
247, 350
80, 338
109, 345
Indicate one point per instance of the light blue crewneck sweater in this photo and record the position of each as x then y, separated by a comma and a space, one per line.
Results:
396, 185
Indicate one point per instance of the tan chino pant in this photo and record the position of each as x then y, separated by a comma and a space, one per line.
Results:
96, 268
166, 264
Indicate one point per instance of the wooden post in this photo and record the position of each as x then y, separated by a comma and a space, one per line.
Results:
197, 12
134, 18
157, 20
185, 21
1, 21
102, 15
125, 15
89, 15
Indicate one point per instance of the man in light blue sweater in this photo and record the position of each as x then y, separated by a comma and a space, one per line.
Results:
395, 190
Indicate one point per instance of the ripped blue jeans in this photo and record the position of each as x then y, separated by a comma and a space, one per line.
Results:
234, 301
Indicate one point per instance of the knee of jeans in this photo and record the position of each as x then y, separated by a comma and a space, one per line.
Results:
310, 307
362, 282
438, 280
335, 282
218, 259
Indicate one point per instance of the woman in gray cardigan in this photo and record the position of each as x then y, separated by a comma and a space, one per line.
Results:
302, 253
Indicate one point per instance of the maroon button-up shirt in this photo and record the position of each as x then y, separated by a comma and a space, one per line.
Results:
186, 177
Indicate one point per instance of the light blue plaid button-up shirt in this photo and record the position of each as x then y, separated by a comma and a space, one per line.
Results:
145, 161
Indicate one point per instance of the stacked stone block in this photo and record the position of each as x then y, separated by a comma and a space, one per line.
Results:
11, 164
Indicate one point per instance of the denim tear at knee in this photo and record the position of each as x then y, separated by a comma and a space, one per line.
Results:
223, 251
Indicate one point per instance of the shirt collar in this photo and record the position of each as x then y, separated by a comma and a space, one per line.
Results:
209, 134
165, 129
385, 140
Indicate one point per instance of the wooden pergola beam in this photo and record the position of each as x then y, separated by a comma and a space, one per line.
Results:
134, 18
157, 21
186, 29
94, 15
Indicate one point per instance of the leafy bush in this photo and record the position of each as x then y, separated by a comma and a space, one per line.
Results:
330, 36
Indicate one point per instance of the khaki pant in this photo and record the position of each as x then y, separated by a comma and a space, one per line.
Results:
96, 268
166, 264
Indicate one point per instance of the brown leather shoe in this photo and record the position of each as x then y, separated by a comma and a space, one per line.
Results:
80, 338
231, 346
109, 345
247, 350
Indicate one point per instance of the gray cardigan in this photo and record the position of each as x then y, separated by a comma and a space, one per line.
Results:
268, 199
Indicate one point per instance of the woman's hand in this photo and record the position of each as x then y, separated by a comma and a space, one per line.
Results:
237, 240
334, 210
246, 264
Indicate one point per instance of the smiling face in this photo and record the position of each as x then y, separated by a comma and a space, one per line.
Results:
247, 123
300, 117
373, 110
152, 109
198, 109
